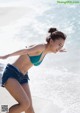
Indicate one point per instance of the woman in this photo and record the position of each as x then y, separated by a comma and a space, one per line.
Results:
15, 77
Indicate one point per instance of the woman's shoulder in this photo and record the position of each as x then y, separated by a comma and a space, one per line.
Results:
40, 47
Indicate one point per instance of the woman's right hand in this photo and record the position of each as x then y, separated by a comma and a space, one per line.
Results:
4, 57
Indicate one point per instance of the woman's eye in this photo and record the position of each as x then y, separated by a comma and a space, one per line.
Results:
60, 45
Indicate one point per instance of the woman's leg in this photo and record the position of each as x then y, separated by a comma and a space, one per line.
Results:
27, 90
16, 90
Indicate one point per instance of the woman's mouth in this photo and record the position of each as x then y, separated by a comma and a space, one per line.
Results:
56, 50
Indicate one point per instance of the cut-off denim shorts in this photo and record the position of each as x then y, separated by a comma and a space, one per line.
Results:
12, 72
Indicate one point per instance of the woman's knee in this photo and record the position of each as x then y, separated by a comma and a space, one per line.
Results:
30, 109
26, 104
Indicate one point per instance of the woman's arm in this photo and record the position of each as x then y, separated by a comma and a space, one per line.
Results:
20, 52
34, 49
4, 57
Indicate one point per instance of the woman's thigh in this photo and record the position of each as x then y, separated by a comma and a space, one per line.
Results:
27, 91
16, 90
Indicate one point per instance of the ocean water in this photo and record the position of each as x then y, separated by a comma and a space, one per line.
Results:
58, 77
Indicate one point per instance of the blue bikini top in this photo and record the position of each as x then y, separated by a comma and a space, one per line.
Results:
35, 59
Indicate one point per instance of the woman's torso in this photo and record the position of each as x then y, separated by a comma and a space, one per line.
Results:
23, 63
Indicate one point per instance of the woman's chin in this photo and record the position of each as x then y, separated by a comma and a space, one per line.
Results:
54, 52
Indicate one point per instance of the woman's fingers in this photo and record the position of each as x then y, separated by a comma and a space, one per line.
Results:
63, 50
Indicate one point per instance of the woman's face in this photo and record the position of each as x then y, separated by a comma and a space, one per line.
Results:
56, 45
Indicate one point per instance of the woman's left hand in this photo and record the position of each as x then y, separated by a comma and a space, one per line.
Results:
63, 50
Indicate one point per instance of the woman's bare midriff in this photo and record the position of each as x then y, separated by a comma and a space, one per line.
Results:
23, 64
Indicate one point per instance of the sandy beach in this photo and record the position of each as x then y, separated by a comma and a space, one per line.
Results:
40, 105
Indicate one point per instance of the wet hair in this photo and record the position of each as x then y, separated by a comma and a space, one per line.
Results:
55, 35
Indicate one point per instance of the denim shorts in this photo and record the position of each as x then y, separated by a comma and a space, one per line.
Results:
12, 72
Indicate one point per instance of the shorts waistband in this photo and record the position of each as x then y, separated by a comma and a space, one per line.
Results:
10, 66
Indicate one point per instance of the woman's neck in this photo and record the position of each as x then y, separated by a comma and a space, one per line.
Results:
47, 49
